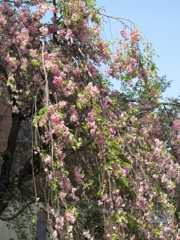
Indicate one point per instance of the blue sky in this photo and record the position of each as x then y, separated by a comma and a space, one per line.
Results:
159, 21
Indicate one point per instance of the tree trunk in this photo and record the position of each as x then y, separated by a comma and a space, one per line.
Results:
6, 186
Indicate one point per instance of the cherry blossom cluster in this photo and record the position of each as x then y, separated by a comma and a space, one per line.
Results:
109, 159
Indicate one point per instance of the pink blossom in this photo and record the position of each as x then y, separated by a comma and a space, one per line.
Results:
55, 118
134, 36
176, 125
65, 134
123, 33
23, 37
61, 33
68, 34
48, 63
173, 172
66, 22
92, 69
44, 31
119, 201
54, 235
73, 118
17, 3
125, 170
61, 156
129, 69
67, 68
15, 109
78, 176
63, 74
70, 216
93, 131
52, 28
51, 109
85, 99
65, 184
43, 121
55, 69
48, 160
62, 104
94, 91
3, 21
77, 71
101, 155
58, 81
59, 223
33, 52
53, 9
42, 8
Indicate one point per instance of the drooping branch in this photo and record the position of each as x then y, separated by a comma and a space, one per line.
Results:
177, 104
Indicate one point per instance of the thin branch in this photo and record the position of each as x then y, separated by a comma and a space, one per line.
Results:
157, 103
45, 74
121, 20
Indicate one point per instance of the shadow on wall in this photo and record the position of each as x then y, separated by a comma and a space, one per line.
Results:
41, 229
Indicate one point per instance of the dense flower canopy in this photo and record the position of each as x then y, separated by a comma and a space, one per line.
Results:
104, 163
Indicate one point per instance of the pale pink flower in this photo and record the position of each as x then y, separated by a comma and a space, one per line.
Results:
44, 31
63, 74
43, 121
48, 63
62, 104
101, 155
53, 9
15, 109
42, 8
55, 118
58, 81
123, 33
77, 71
93, 131
176, 125
67, 68
55, 69
70, 216
134, 36
129, 69
85, 99
61, 33
17, 3
51, 109
66, 22
52, 28
60, 223
125, 171
78, 176
73, 118
68, 34
119, 201
48, 160
54, 235
65, 134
